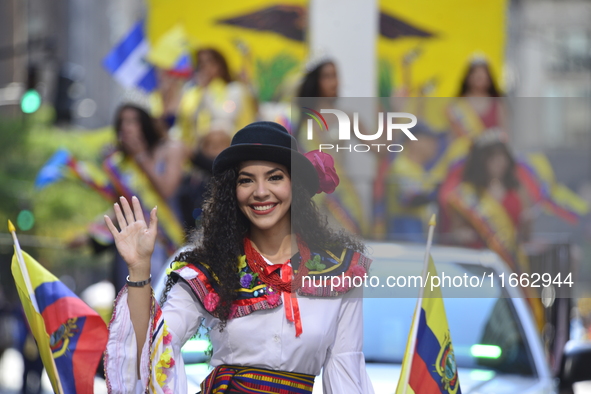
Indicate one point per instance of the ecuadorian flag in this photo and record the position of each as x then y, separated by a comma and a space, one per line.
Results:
430, 368
70, 335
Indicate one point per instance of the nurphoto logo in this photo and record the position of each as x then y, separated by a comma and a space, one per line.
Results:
391, 124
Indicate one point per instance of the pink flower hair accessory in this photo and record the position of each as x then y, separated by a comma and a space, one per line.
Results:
327, 175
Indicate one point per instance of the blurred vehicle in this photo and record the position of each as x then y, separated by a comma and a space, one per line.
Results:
496, 343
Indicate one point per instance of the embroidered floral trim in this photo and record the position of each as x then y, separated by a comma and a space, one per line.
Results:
248, 279
211, 301
316, 287
273, 297
165, 362
175, 266
255, 295
315, 264
163, 367
241, 262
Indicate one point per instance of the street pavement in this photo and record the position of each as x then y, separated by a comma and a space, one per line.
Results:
11, 372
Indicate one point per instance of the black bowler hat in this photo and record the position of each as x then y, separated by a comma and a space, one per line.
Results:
267, 141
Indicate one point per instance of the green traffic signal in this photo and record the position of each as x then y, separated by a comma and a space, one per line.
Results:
25, 220
31, 101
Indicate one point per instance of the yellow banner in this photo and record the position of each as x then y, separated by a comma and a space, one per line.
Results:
265, 27
441, 37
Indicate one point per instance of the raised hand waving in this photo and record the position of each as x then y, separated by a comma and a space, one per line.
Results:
136, 239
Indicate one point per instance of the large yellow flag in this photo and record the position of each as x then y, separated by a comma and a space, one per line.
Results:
429, 364
441, 37
266, 27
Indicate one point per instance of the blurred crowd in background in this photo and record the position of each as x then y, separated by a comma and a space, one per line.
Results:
120, 98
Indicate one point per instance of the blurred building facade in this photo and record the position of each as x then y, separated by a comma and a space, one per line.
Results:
548, 79
58, 46
549, 48
64, 42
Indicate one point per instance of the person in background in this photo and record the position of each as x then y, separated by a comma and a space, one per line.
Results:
479, 106
212, 107
144, 144
32, 363
319, 90
194, 184
213, 101
411, 191
488, 208
147, 164
164, 103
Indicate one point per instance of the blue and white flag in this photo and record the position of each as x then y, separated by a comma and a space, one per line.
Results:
54, 169
127, 64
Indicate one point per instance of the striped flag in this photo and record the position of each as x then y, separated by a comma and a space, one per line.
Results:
70, 335
126, 62
63, 163
429, 364
171, 52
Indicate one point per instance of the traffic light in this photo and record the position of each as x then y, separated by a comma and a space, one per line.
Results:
31, 99
25, 220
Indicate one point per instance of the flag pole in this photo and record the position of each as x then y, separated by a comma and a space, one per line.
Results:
29, 285
23, 266
417, 314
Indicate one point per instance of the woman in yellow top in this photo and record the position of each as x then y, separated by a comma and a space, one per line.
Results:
213, 102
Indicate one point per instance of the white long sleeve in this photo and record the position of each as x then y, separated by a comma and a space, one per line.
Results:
179, 320
344, 367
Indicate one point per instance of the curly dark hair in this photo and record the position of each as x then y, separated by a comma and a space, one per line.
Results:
476, 173
224, 226
150, 130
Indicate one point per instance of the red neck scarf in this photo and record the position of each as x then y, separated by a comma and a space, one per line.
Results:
279, 277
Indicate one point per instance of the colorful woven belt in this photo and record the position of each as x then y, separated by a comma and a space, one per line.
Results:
236, 379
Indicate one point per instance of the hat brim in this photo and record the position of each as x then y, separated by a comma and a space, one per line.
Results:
297, 163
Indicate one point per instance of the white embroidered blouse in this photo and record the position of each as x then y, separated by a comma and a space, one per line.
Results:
331, 341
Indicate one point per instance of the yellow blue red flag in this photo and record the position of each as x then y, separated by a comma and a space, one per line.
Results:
70, 335
430, 368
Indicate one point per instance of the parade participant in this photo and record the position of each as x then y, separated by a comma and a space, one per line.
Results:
479, 106
488, 208
212, 107
319, 90
411, 187
249, 280
149, 165
478, 109
213, 101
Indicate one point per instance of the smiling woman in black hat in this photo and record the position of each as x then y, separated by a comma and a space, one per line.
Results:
270, 279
